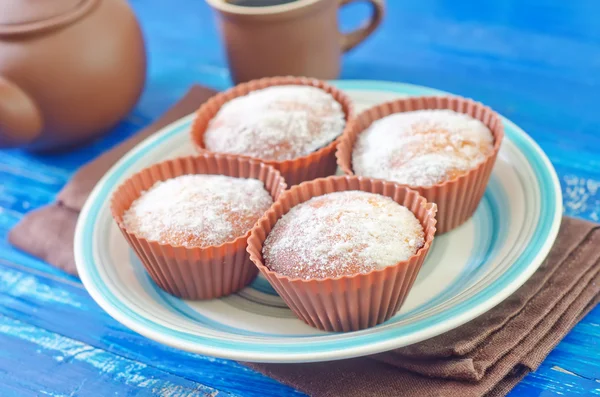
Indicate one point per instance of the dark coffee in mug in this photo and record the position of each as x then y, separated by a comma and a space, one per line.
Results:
259, 3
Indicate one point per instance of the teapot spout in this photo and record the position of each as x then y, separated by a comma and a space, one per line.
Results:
21, 121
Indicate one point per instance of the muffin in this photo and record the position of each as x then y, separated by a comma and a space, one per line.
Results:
188, 220
343, 252
444, 147
276, 123
290, 123
343, 234
198, 210
422, 147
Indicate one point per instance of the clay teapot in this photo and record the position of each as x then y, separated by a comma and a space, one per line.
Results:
69, 70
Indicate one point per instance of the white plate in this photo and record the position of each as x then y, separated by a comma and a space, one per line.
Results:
468, 271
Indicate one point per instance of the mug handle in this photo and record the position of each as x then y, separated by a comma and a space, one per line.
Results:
352, 39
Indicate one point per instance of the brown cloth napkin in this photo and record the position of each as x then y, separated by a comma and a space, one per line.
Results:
486, 356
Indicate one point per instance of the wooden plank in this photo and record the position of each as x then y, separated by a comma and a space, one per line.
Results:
579, 352
552, 380
64, 308
38, 362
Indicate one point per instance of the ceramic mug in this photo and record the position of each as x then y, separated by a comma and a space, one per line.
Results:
299, 38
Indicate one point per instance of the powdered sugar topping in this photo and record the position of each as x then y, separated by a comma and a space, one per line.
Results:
342, 233
421, 148
198, 210
276, 123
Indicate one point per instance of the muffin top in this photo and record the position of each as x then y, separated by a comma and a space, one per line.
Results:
421, 148
197, 210
343, 233
276, 123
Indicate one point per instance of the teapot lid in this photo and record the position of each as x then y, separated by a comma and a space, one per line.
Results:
27, 16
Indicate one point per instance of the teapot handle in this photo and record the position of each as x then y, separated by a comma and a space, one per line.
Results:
20, 119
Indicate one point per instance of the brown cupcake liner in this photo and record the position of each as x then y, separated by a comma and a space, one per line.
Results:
457, 199
317, 164
194, 272
346, 303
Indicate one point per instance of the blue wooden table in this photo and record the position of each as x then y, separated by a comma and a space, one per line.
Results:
538, 65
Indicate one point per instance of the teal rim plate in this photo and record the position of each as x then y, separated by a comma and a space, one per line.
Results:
468, 271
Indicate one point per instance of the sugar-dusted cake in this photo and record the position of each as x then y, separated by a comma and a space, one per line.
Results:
280, 122
342, 234
421, 148
197, 210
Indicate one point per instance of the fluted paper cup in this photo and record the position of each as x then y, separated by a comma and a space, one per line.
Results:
319, 163
194, 272
345, 303
458, 198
